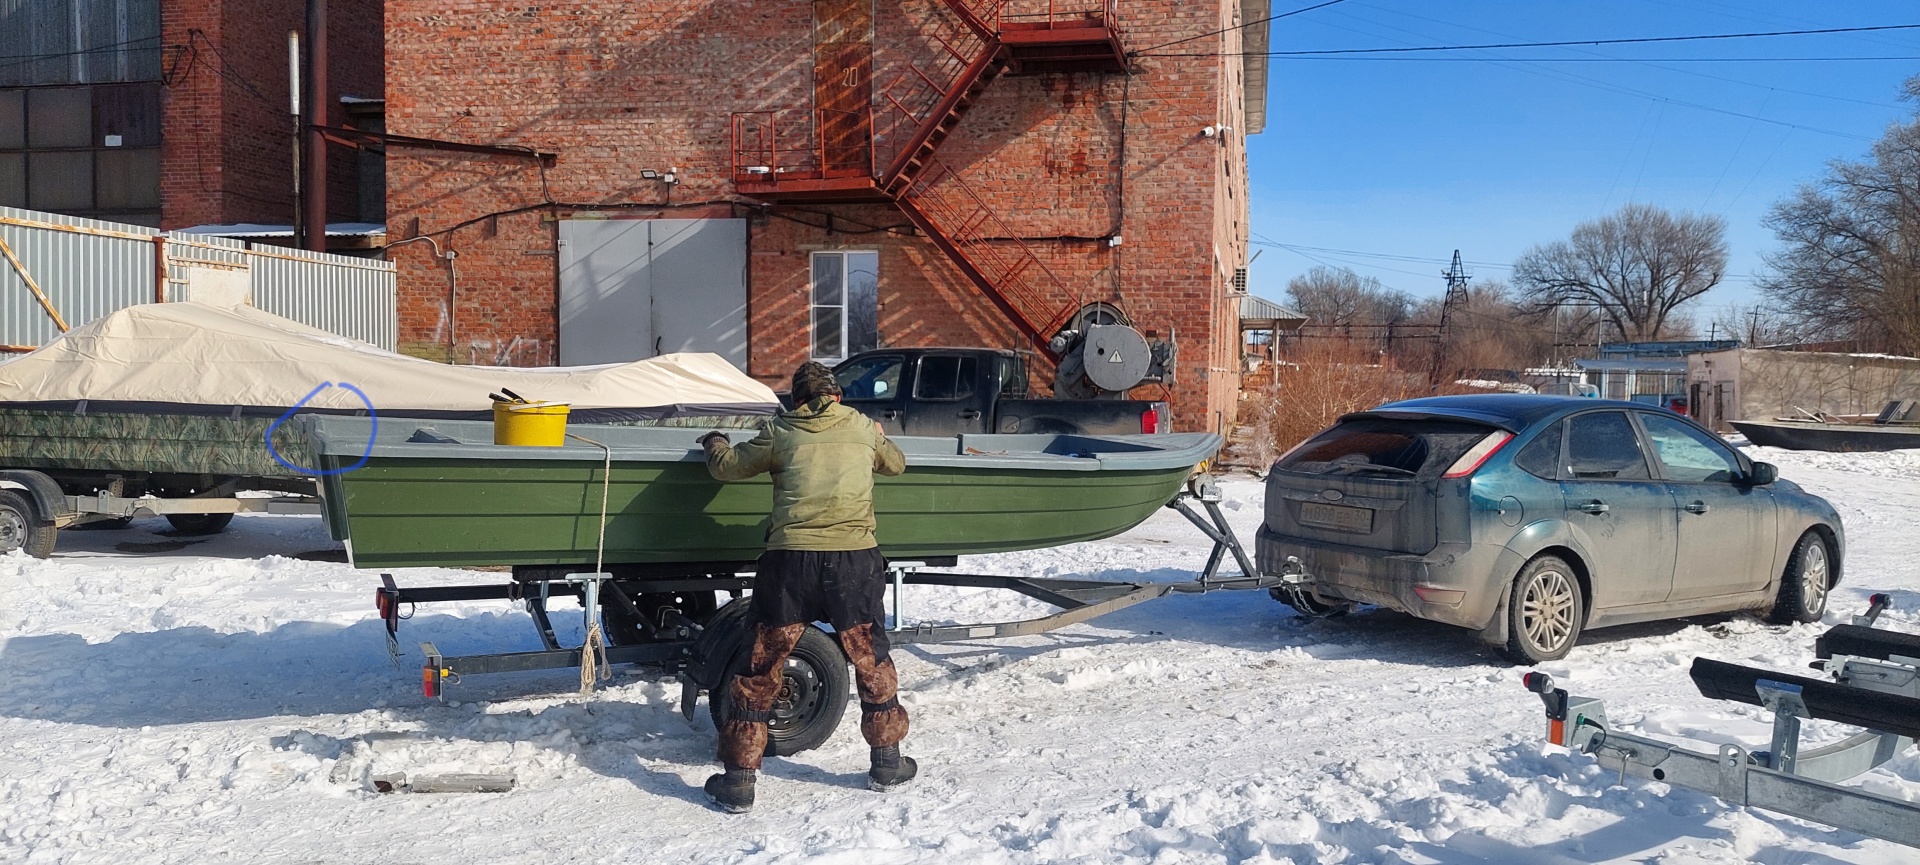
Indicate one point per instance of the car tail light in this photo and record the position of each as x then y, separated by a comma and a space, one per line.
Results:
1471, 460
1150, 420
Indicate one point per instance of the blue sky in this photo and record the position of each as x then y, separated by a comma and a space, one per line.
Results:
1417, 158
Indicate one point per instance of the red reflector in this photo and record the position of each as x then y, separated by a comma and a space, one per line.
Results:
429, 681
380, 602
1434, 595
1150, 421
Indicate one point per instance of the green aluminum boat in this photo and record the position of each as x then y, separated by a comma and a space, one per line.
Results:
441, 494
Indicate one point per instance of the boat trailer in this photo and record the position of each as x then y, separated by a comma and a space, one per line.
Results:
1874, 683
665, 626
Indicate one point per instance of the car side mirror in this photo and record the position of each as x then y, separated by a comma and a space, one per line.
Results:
1762, 474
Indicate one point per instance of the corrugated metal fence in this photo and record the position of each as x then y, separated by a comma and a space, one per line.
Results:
58, 270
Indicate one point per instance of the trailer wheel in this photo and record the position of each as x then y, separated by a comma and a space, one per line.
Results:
811, 701
199, 524
22, 529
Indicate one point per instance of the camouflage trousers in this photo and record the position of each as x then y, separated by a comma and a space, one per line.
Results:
793, 588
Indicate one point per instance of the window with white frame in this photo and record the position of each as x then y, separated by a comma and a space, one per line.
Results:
845, 304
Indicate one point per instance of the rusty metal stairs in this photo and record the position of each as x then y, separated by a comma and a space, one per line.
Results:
922, 107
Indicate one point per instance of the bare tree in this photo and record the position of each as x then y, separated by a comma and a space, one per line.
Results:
1635, 267
1850, 268
1339, 297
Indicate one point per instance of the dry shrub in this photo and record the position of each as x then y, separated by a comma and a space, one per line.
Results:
1313, 386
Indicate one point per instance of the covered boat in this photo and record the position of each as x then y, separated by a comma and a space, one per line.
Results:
190, 389
441, 494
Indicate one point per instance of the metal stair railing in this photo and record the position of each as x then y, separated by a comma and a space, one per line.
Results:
988, 252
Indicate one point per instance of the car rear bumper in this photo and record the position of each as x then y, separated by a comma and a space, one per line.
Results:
1460, 581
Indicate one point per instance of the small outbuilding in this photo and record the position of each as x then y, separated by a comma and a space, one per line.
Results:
1757, 384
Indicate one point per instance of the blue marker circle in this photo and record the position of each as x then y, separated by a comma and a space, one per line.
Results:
372, 434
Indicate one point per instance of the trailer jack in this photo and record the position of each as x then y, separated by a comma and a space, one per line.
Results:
1874, 684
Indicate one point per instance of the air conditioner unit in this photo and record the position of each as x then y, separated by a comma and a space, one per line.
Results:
1239, 280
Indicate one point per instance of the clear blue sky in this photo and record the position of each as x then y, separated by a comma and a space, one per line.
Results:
1418, 158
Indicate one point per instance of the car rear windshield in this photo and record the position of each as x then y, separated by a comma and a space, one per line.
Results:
1385, 447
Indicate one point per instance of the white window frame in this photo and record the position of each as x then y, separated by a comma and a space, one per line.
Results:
845, 319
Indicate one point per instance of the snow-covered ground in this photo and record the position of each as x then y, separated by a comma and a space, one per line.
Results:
226, 700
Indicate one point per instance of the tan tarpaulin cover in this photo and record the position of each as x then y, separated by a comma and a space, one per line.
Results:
195, 354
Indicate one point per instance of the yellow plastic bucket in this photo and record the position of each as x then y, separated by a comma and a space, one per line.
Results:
536, 424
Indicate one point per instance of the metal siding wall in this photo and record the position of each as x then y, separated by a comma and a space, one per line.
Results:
353, 297
87, 276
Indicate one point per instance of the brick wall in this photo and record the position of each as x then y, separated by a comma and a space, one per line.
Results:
1067, 160
226, 138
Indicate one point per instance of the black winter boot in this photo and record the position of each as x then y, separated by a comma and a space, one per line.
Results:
732, 790
890, 769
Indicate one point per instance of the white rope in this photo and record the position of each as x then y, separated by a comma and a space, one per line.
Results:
593, 655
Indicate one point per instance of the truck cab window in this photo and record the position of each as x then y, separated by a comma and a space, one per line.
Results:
945, 377
870, 378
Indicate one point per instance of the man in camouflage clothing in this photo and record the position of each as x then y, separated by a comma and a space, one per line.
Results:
821, 563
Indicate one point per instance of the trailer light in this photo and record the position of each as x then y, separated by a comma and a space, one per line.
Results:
1150, 421
380, 602
1470, 461
1436, 595
429, 681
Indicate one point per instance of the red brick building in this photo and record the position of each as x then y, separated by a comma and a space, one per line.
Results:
784, 179
172, 113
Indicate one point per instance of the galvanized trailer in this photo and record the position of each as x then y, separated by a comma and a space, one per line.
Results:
666, 616
1873, 682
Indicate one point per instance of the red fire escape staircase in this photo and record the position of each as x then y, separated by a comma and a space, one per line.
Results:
788, 157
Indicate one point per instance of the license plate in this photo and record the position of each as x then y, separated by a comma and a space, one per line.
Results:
1338, 517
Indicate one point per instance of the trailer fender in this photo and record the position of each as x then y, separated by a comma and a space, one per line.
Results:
724, 634
49, 501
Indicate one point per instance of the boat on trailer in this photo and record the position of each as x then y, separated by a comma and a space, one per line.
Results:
407, 493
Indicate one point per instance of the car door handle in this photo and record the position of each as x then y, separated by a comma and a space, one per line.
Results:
969, 414
1696, 507
1593, 507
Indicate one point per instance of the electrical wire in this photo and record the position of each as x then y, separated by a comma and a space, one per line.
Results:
1638, 40
1237, 27
1647, 60
10, 60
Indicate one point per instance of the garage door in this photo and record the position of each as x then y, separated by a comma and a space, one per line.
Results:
631, 289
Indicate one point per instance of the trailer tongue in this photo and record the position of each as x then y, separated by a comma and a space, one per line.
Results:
1875, 685
663, 616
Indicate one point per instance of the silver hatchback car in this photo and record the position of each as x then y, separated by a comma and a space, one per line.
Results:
1532, 518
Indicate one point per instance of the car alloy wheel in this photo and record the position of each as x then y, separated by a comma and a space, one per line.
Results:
1813, 577
1547, 611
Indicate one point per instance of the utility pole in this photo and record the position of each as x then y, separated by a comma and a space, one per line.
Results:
1456, 276
1753, 327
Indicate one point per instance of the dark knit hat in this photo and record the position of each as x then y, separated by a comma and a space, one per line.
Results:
812, 381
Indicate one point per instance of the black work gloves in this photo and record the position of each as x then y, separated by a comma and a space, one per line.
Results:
713, 439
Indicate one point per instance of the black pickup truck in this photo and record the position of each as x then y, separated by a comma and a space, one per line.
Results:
948, 391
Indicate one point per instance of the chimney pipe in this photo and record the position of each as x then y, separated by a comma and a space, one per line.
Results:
315, 184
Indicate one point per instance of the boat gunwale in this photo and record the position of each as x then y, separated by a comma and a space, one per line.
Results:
346, 438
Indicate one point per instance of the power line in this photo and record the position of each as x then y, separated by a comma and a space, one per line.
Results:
1639, 40
1240, 26
1650, 60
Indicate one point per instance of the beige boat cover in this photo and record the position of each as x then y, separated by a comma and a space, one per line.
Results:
196, 358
